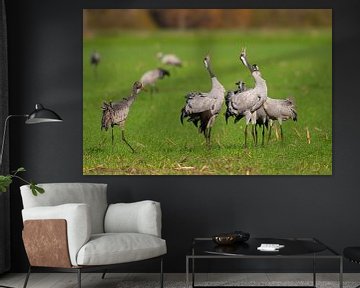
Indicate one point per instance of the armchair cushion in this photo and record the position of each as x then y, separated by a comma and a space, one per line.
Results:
78, 221
138, 217
93, 194
113, 248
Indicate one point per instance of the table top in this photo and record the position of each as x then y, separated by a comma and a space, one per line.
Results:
292, 247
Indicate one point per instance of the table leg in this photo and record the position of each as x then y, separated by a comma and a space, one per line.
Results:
193, 272
187, 272
341, 273
193, 267
314, 271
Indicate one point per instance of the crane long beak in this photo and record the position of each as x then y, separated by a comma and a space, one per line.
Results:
243, 57
243, 60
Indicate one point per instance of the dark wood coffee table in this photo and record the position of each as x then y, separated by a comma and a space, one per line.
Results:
294, 248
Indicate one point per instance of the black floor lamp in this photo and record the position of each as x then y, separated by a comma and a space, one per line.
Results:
39, 115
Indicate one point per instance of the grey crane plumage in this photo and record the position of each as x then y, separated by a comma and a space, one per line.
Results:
280, 110
230, 111
149, 78
245, 103
262, 119
204, 107
116, 113
169, 59
274, 109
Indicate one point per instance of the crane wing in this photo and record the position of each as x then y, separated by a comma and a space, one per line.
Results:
281, 109
199, 103
149, 77
258, 103
171, 59
120, 105
242, 101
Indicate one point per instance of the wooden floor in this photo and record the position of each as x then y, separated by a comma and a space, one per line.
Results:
116, 280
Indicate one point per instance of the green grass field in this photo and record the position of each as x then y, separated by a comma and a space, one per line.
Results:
294, 63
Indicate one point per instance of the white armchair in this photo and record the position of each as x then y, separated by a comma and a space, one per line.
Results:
72, 228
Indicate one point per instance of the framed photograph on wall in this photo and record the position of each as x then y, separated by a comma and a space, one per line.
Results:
207, 92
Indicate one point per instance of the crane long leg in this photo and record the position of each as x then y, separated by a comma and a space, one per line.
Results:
253, 133
281, 133
112, 139
123, 138
269, 132
256, 135
246, 126
263, 135
153, 88
207, 134
112, 136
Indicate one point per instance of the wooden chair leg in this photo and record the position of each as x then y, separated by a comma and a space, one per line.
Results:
27, 277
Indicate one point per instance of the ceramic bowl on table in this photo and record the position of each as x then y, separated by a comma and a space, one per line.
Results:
231, 238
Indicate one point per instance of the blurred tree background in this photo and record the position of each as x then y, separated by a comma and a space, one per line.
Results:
181, 19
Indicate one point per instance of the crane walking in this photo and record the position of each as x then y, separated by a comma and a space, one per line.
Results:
204, 107
245, 103
169, 59
116, 113
280, 110
152, 76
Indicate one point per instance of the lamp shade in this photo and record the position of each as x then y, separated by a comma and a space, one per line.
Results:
42, 115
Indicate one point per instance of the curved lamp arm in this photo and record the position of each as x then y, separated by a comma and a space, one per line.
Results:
4, 134
39, 115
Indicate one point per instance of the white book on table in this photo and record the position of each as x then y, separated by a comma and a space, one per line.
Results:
270, 247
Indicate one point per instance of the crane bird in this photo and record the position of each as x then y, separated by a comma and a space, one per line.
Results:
241, 87
262, 119
246, 103
152, 76
204, 107
169, 59
116, 113
280, 110
272, 109
95, 58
